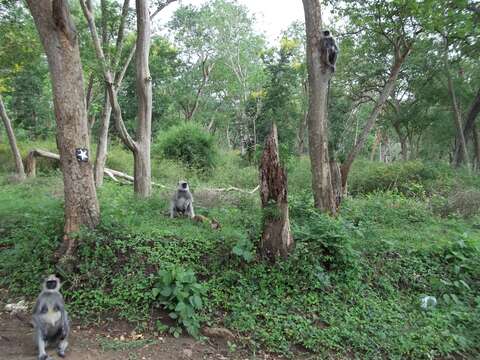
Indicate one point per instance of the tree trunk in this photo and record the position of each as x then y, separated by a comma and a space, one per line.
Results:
476, 143
59, 39
19, 170
301, 134
382, 99
319, 75
461, 152
277, 240
336, 183
102, 146
142, 171
141, 146
472, 114
377, 141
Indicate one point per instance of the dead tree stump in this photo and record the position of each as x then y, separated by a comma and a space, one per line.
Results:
277, 240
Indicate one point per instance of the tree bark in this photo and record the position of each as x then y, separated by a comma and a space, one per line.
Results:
102, 145
382, 99
142, 166
476, 143
141, 146
461, 152
19, 170
59, 39
472, 114
277, 240
336, 182
319, 75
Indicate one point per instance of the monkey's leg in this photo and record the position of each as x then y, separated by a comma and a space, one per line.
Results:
62, 347
41, 345
172, 210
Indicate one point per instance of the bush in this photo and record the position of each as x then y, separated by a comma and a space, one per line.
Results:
180, 293
459, 202
410, 177
190, 144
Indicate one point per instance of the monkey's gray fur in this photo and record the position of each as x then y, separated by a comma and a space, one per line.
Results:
330, 48
182, 201
50, 319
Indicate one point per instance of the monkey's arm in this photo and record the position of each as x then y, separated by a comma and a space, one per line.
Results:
65, 325
40, 326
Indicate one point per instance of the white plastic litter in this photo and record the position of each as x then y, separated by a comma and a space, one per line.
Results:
19, 307
428, 302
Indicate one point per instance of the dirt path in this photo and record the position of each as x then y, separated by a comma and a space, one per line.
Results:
16, 343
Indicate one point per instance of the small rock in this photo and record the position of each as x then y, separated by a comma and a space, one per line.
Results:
16, 308
187, 353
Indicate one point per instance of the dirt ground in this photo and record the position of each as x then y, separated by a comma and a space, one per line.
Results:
109, 342
16, 343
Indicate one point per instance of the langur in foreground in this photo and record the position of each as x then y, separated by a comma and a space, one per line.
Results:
50, 319
182, 201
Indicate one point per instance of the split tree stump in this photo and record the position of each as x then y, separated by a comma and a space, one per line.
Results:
277, 240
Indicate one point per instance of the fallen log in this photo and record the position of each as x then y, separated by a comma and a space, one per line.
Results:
31, 165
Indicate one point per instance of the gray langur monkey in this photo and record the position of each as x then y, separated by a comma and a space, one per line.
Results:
330, 48
182, 201
50, 319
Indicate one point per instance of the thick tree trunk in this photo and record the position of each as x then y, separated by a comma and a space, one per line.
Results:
472, 114
142, 171
336, 182
461, 152
277, 240
59, 39
378, 140
19, 170
382, 99
319, 75
476, 144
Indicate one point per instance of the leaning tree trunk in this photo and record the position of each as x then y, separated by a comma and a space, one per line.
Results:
277, 240
460, 152
319, 75
472, 114
102, 146
382, 99
20, 171
142, 170
60, 41
476, 144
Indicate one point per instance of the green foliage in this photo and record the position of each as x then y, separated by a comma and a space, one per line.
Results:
410, 178
190, 144
179, 292
352, 286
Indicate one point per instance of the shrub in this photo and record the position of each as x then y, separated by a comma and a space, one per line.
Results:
178, 290
190, 144
410, 177
460, 202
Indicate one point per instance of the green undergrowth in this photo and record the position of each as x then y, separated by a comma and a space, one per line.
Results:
351, 289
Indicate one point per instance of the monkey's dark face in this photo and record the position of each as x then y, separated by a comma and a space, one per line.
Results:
183, 185
51, 284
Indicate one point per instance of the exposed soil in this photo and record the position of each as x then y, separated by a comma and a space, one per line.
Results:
16, 343
109, 342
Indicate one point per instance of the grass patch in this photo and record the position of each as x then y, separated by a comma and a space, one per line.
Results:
352, 287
